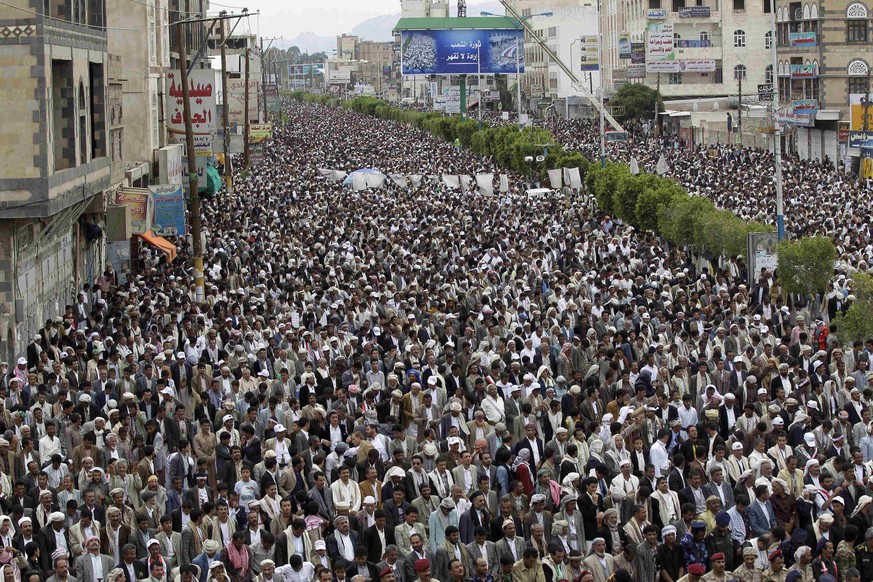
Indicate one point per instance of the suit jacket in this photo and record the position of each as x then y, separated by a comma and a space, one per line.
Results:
593, 565
49, 545
726, 490
458, 475
492, 558
375, 551
503, 548
333, 545
175, 540
193, 496
85, 571
123, 536
759, 521
469, 521
140, 571
409, 561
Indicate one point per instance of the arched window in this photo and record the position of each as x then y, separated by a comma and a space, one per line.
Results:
740, 72
813, 12
856, 10
704, 35
739, 39
768, 74
768, 39
806, 11
857, 68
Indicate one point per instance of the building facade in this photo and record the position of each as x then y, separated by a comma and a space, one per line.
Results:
716, 44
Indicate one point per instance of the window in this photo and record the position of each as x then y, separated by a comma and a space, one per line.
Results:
739, 39
768, 74
857, 68
740, 72
677, 4
856, 10
655, 4
857, 85
768, 40
676, 39
739, 5
704, 36
856, 31
768, 8
675, 78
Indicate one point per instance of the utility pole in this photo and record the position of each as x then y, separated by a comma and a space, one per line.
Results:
777, 140
225, 114
247, 150
657, 128
740, 107
264, 72
193, 193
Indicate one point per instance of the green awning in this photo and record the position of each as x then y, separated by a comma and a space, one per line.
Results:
213, 181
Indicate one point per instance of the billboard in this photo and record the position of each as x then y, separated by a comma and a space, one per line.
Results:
638, 53
694, 12
624, 46
860, 139
236, 100
169, 210
589, 54
804, 72
697, 66
804, 106
140, 207
859, 114
461, 51
636, 71
802, 39
659, 41
259, 132
170, 164
201, 98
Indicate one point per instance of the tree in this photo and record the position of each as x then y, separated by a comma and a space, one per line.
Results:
651, 202
856, 323
637, 100
805, 266
602, 183
680, 221
627, 192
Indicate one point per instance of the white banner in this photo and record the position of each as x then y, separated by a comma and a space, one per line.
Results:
504, 183
415, 179
697, 66
662, 167
451, 181
359, 181
660, 42
575, 179
555, 179
466, 182
398, 179
662, 67
485, 183
374, 180
201, 98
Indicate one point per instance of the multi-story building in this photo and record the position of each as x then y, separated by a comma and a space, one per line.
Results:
824, 60
424, 8
347, 47
716, 44
562, 31
54, 142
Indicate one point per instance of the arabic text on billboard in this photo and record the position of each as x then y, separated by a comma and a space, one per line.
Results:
660, 42
139, 201
860, 139
656, 14
638, 53
697, 66
803, 72
589, 56
169, 213
259, 132
201, 97
459, 51
694, 12
624, 46
804, 106
662, 67
802, 39
636, 71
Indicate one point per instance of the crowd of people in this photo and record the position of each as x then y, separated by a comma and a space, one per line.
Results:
414, 384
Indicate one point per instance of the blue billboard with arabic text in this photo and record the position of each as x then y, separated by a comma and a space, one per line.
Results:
461, 51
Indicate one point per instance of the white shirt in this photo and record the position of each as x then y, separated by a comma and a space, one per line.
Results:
97, 567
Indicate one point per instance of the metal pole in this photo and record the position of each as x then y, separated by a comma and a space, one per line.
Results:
777, 143
479, 81
518, 50
225, 114
246, 147
263, 82
600, 73
193, 193
656, 131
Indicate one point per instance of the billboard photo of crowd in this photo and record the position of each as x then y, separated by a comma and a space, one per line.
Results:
459, 51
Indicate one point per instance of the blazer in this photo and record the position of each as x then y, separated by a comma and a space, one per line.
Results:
333, 545
49, 545
193, 496
759, 522
491, 555
726, 490
85, 571
469, 521
375, 551
458, 476
503, 547
123, 536
139, 570
593, 565
175, 540
409, 561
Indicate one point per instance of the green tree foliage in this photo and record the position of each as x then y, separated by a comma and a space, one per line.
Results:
805, 266
856, 323
603, 182
651, 201
628, 190
637, 100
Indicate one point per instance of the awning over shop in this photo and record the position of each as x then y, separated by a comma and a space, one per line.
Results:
159, 242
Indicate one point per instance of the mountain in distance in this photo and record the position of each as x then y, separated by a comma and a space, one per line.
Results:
379, 28
308, 42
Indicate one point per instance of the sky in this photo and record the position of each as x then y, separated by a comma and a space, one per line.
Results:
323, 17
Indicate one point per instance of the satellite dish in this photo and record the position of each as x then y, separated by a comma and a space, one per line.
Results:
541, 158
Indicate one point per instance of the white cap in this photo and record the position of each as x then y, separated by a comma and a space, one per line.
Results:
369, 500
279, 428
737, 447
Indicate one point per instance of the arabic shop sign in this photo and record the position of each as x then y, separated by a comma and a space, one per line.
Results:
201, 99
694, 12
860, 139
804, 106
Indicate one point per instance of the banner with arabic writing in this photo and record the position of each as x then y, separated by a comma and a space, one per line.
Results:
461, 51
201, 96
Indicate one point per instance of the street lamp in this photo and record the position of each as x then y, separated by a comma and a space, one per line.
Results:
519, 25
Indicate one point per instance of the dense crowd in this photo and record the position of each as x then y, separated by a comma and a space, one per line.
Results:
414, 384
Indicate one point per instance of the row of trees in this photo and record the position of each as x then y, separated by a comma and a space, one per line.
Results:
646, 201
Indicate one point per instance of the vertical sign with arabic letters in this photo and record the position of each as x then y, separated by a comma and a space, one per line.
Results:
169, 210
201, 96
